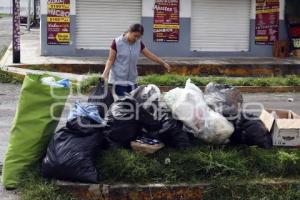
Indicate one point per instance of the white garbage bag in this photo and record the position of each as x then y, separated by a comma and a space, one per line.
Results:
171, 97
188, 105
217, 129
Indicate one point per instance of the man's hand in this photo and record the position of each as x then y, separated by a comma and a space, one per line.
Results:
168, 67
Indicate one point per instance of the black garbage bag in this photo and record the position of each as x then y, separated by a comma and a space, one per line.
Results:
249, 130
71, 156
171, 131
72, 151
224, 99
102, 97
148, 98
122, 125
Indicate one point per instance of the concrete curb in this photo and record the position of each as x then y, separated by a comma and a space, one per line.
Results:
156, 191
243, 89
182, 68
134, 192
20, 74
251, 89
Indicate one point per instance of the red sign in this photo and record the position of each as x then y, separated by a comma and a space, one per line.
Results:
166, 21
58, 22
294, 32
267, 22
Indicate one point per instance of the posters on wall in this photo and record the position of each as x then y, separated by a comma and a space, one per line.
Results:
58, 22
295, 36
267, 22
166, 25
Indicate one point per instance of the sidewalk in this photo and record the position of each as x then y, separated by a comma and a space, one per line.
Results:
220, 66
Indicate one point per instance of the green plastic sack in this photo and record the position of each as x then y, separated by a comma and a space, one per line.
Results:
32, 127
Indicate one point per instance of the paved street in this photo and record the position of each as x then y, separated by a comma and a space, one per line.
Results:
5, 33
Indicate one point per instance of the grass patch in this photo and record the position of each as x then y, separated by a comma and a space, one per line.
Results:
6, 77
34, 187
200, 163
231, 189
4, 15
89, 82
2, 51
233, 172
179, 80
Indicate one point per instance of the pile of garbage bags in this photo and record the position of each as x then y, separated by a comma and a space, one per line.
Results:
144, 120
175, 118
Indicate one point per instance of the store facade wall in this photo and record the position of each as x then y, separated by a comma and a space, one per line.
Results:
172, 49
266, 50
58, 50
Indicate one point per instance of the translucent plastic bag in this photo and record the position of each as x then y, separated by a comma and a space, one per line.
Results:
224, 99
217, 129
188, 106
171, 96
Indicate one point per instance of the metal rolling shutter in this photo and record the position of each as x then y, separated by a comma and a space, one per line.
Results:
220, 25
100, 21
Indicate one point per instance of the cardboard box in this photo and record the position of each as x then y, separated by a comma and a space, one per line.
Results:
284, 126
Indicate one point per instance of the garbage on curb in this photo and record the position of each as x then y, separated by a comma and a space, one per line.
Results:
73, 149
284, 126
188, 105
34, 123
144, 120
250, 130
